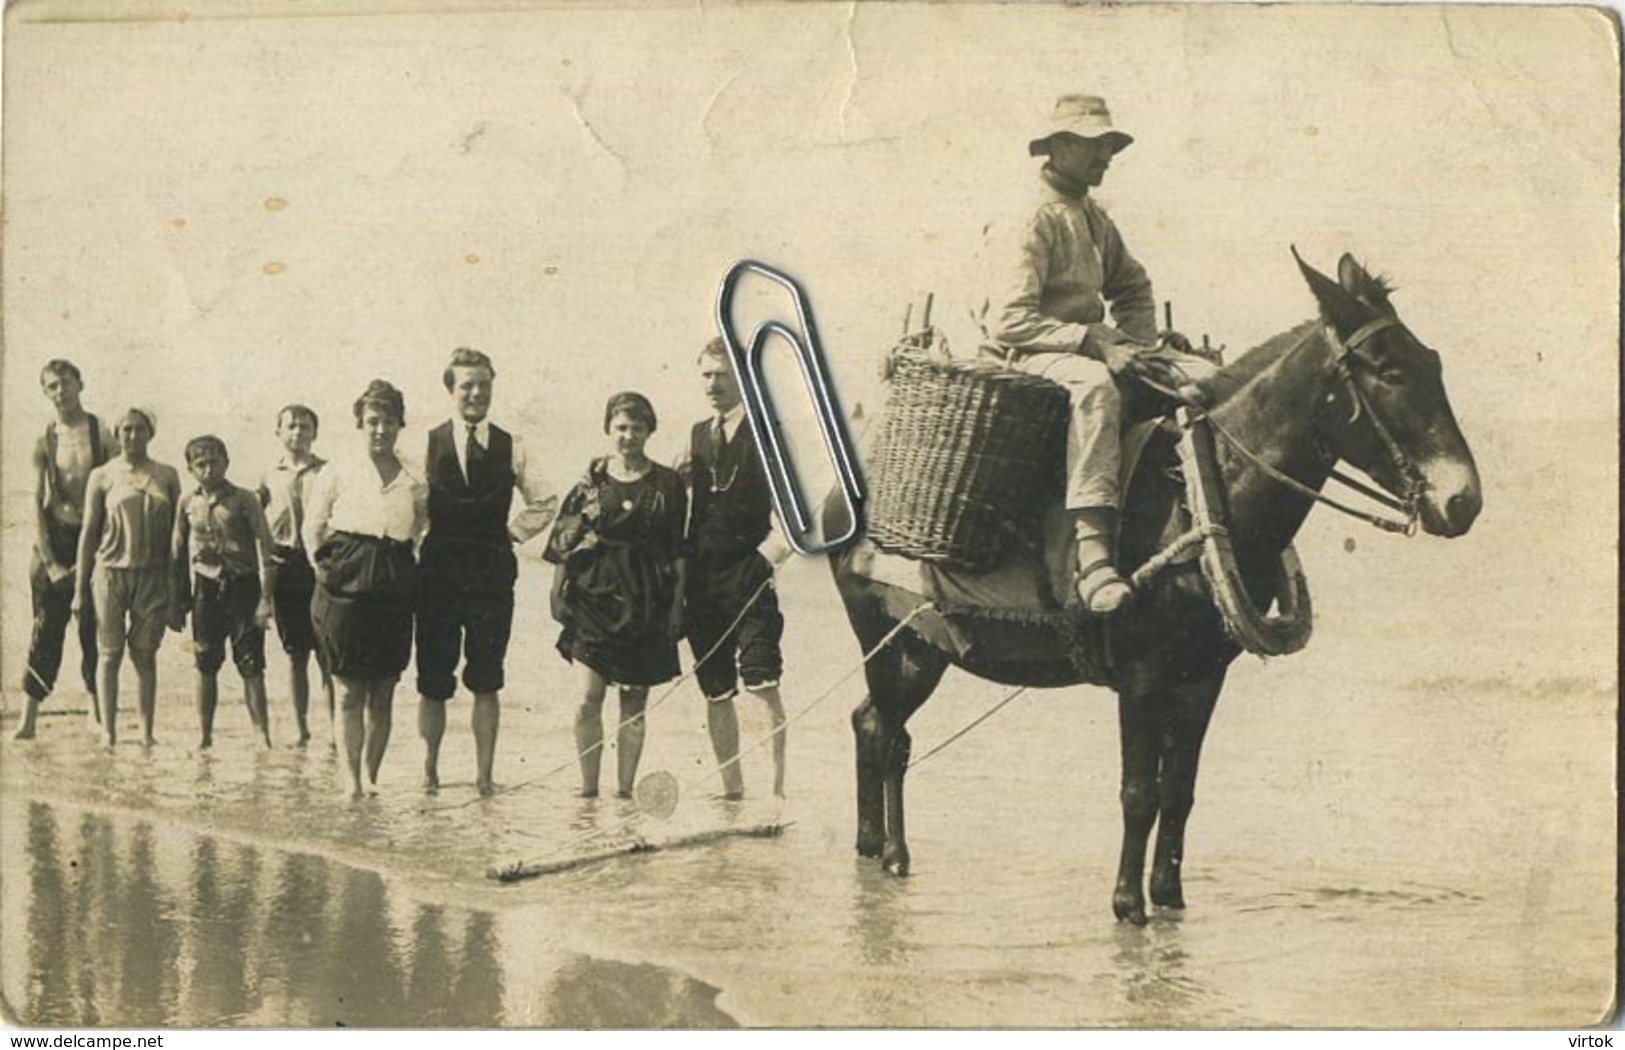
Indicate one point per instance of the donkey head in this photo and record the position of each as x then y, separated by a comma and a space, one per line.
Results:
1388, 414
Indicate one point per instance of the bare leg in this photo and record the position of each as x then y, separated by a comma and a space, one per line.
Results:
380, 716
629, 739
299, 685
722, 721
145, 662
30, 714
486, 720
259, 711
590, 729
775, 711
353, 719
208, 698
107, 669
432, 728
332, 706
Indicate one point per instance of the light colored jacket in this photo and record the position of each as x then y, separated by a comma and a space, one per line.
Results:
1053, 276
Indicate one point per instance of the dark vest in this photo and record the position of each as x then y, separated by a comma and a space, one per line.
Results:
475, 510
732, 506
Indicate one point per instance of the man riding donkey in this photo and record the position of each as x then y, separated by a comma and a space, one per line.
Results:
1047, 310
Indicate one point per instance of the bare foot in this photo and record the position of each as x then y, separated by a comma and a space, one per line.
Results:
206, 743
589, 792
25, 733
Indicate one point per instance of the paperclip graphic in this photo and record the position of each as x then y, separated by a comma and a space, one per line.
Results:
794, 519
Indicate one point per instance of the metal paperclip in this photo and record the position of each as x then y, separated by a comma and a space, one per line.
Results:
794, 519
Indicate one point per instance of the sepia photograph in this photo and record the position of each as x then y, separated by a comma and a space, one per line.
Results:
508, 505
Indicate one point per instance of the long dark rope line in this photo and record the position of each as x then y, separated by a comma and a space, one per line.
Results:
623, 825
570, 763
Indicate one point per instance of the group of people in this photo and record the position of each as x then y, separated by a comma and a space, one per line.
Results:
355, 559
360, 561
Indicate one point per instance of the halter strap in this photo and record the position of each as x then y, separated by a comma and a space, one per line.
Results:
1415, 483
1361, 335
1340, 350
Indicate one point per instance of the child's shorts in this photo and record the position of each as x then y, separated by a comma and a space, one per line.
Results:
224, 610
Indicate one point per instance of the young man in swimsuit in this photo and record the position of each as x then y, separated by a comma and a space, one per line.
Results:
74, 444
734, 623
467, 561
284, 491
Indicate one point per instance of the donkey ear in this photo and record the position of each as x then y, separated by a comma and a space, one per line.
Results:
1363, 285
1337, 306
1351, 275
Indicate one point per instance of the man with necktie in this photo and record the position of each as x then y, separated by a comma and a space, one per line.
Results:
734, 624
467, 561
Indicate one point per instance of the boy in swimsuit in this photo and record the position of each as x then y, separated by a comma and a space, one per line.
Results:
222, 551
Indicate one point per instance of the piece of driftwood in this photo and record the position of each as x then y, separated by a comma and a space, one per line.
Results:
520, 870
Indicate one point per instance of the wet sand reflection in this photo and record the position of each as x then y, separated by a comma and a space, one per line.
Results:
118, 932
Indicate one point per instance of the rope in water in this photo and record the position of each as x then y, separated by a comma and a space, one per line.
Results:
983, 717
621, 826
681, 680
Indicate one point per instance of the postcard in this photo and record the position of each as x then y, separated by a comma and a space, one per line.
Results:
399, 630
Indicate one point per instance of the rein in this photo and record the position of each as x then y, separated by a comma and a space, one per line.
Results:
1342, 351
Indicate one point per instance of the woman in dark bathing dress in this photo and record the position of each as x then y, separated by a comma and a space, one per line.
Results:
618, 589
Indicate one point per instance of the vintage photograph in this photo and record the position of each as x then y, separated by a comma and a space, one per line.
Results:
406, 623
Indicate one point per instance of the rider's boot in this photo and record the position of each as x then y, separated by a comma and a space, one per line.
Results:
1101, 590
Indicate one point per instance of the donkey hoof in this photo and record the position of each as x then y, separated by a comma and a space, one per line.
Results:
1167, 893
895, 861
1129, 907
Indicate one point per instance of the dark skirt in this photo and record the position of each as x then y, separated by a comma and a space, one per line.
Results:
615, 611
362, 610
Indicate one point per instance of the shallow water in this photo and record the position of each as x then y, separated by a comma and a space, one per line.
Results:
1410, 824
1365, 852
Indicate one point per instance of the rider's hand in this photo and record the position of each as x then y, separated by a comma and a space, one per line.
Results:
1120, 358
1172, 340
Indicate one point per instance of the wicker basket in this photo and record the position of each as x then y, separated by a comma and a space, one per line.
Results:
969, 458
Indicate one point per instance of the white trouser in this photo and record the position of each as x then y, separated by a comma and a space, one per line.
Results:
1095, 424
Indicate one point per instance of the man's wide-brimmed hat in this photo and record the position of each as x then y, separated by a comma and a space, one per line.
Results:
1085, 116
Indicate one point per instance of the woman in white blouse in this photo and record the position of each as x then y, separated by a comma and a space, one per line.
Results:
364, 519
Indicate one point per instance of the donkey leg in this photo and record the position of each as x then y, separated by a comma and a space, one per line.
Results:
1190, 709
894, 858
871, 750
1138, 730
901, 679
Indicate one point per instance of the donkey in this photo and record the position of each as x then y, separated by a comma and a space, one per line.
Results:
1354, 385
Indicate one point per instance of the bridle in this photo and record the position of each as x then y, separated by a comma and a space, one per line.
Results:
1346, 353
